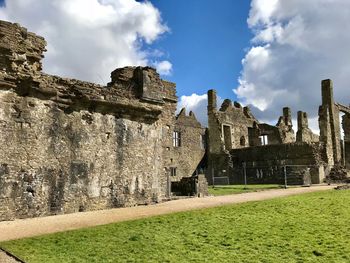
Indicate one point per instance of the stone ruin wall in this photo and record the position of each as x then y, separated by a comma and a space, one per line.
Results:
264, 164
189, 157
227, 129
244, 128
245, 132
304, 133
285, 126
329, 125
346, 128
231, 116
69, 145
281, 150
328, 149
54, 162
328, 146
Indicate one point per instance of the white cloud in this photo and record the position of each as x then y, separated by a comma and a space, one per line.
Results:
87, 39
257, 58
268, 34
163, 67
313, 125
296, 44
261, 11
197, 104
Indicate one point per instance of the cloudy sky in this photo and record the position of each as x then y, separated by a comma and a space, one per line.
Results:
264, 53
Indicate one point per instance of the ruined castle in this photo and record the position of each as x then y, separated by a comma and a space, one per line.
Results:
238, 140
69, 145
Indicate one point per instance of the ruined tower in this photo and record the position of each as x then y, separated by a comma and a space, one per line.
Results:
346, 128
329, 124
214, 138
304, 133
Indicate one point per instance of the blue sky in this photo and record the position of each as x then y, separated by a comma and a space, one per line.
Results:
206, 43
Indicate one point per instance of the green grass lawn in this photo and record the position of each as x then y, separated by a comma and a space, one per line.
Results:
238, 189
306, 228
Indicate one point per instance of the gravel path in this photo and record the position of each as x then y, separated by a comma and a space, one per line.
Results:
6, 259
43, 225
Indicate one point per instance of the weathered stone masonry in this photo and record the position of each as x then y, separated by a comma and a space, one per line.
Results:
69, 145
237, 140
187, 154
233, 128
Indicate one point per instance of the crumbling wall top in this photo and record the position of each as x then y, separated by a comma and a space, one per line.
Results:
142, 82
212, 101
20, 50
169, 90
187, 120
133, 91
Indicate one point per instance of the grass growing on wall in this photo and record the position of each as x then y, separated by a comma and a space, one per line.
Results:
239, 189
307, 228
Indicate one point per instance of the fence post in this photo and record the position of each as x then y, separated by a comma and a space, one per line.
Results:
212, 173
285, 176
245, 174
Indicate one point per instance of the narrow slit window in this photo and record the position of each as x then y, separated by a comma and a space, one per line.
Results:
172, 171
264, 139
176, 139
203, 142
227, 137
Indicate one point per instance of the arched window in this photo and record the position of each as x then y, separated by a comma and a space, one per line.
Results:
242, 141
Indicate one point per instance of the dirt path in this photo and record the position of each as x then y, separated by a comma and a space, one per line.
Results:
43, 225
4, 258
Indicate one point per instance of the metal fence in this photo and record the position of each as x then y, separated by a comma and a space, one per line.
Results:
284, 175
221, 180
